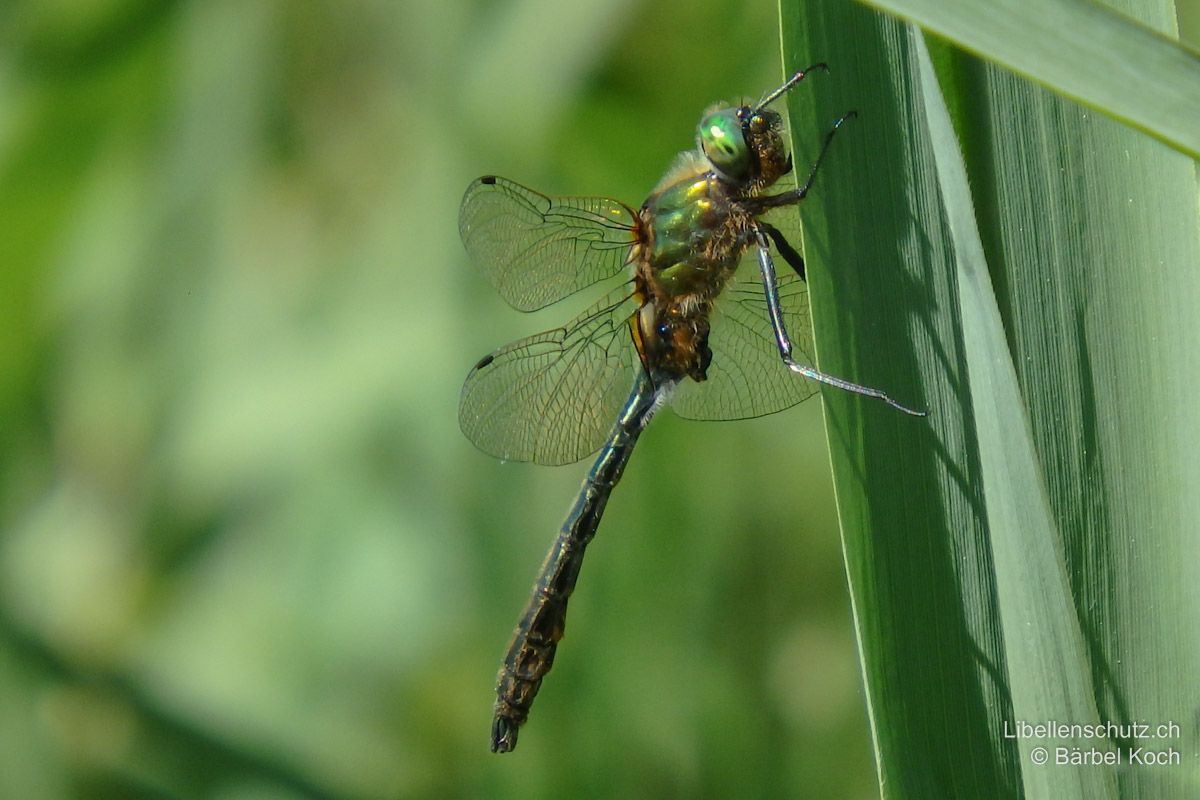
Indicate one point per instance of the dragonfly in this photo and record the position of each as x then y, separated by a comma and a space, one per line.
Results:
688, 327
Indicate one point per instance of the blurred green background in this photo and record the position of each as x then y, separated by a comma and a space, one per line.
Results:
244, 550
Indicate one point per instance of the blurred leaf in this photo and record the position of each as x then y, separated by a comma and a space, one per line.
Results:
1020, 555
234, 489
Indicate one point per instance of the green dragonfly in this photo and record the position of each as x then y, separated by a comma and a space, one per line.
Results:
686, 327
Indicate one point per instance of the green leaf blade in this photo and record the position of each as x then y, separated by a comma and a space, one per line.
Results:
1023, 555
1083, 50
1037, 616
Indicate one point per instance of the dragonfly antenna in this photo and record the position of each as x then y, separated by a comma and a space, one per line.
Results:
792, 81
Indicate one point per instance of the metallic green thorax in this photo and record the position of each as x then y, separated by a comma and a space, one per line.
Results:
689, 219
696, 224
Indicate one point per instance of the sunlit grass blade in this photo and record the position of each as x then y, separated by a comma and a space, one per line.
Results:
1024, 551
1083, 50
1043, 645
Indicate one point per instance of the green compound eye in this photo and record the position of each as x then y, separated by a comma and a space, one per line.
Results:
724, 145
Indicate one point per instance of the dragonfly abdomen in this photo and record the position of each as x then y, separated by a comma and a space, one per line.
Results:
531, 652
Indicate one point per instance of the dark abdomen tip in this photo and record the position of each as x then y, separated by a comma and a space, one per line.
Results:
504, 735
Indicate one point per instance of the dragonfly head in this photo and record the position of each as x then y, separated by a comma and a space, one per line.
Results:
744, 145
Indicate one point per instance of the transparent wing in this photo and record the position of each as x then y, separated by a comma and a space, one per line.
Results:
536, 249
747, 377
552, 397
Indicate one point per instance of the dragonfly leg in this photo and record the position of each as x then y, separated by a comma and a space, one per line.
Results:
760, 205
791, 82
771, 290
793, 258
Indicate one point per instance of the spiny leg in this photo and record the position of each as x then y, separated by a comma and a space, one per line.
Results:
789, 84
760, 205
771, 290
793, 258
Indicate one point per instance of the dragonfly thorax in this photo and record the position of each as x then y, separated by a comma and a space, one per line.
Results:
693, 231
694, 228
693, 234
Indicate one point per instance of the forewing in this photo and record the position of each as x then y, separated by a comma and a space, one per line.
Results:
552, 397
747, 376
537, 249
